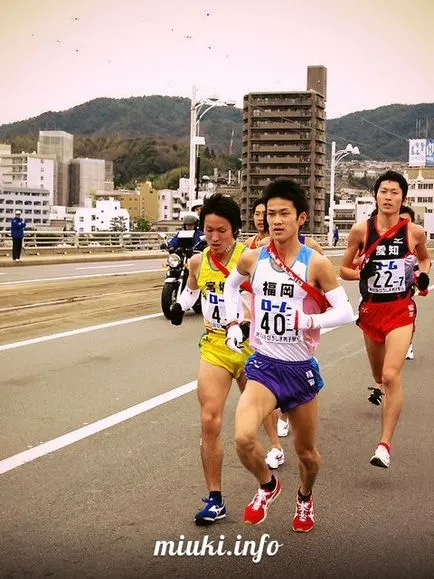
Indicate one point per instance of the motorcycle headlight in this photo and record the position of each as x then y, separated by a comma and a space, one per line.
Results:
173, 260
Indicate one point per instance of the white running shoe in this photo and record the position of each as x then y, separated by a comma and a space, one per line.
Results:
410, 353
275, 457
381, 457
282, 428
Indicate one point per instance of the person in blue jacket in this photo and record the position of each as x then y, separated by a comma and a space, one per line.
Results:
17, 233
190, 222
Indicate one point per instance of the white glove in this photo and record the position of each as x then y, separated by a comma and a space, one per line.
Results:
234, 337
298, 320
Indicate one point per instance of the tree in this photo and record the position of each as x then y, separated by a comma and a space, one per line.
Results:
143, 225
118, 224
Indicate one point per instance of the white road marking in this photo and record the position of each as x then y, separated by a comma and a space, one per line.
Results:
85, 330
66, 439
81, 276
105, 266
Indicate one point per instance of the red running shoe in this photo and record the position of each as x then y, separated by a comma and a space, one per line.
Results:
256, 511
303, 520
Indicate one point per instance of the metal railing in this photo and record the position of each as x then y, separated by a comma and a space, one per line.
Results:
65, 242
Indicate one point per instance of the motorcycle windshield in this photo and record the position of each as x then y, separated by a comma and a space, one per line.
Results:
185, 239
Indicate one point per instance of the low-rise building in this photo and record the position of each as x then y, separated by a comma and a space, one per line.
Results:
141, 203
102, 217
34, 205
364, 206
171, 203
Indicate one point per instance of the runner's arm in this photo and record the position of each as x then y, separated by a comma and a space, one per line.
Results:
191, 292
422, 254
340, 311
309, 242
233, 282
189, 295
355, 240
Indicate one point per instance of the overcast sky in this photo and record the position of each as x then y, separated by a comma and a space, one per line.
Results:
55, 54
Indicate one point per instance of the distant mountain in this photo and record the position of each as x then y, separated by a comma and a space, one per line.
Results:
153, 116
148, 136
381, 134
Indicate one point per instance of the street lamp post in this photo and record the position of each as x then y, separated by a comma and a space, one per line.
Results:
199, 108
336, 157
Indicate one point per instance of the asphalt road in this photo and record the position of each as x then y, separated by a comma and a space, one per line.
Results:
97, 506
66, 271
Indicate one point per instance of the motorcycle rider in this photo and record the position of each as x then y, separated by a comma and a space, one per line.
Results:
190, 223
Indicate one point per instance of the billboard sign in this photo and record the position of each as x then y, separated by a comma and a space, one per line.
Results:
429, 152
417, 152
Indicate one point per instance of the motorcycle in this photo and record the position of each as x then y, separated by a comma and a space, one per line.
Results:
177, 269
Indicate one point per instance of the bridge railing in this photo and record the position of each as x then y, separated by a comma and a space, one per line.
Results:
64, 242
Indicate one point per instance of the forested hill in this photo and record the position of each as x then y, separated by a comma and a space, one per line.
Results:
153, 116
146, 137
381, 134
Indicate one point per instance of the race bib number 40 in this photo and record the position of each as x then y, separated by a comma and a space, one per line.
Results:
389, 277
272, 322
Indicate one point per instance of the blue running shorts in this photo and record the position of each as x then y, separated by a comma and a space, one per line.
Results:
292, 383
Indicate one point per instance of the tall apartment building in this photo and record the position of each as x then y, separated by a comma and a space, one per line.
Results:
59, 146
87, 176
284, 135
27, 171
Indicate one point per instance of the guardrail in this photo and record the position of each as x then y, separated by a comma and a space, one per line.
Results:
40, 242
64, 242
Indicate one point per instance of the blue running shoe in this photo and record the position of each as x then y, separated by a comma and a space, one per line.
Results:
211, 512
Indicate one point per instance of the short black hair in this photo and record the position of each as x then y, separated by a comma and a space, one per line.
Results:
223, 206
259, 201
409, 211
287, 189
392, 176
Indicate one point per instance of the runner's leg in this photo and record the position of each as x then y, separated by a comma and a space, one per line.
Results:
396, 346
256, 402
304, 420
214, 383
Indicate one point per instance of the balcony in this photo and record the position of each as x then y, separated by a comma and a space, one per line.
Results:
287, 160
273, 148
295, 136
276, 171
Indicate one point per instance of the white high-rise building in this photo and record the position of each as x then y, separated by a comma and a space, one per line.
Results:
27, 171
87, 176
59, 146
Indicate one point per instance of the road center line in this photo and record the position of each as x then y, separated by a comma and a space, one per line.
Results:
66, 439
113, 273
